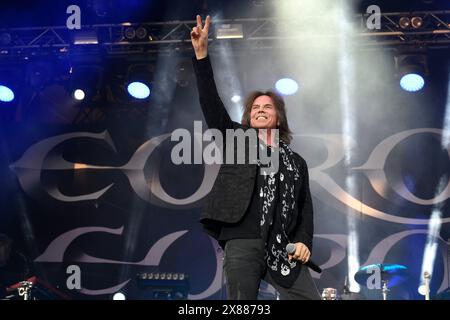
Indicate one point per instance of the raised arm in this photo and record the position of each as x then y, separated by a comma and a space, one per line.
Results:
214, 111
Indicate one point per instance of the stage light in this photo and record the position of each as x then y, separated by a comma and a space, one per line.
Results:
84, 81
119, 296
136, 34
410, 22
139, 80
85, 36
129, 33
6, 94
236, 98
286, 86
411, 71
412, 82
416, 22
141, 33
11, 83
138, 90
79, 94
404, 22
229, 31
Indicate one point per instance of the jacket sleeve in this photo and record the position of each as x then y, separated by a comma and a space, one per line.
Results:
213, 109
305, 229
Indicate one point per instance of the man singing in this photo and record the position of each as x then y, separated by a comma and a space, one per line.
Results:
254, 214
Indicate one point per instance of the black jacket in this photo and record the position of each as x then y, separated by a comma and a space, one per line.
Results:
232, 191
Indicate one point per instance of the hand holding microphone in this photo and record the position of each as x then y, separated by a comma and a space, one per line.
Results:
301, 252
298, 251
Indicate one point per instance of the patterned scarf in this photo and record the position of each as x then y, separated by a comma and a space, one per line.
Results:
277, 195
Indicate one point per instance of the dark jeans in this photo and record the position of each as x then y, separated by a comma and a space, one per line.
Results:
245, 267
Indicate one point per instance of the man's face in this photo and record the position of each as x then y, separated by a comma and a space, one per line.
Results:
263, 114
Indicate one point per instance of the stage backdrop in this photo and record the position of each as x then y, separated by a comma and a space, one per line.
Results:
107, 198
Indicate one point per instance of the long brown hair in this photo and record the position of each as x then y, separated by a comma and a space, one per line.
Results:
283, 127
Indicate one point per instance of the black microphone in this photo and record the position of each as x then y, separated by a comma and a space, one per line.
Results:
290, 248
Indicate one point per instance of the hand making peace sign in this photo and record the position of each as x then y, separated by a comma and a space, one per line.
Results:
199, 37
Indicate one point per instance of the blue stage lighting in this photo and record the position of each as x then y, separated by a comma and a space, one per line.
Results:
138, 90
286, 86
412, 82
79, 94
6, 94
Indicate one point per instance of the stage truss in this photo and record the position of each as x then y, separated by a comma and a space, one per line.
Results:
173, 38
258, 34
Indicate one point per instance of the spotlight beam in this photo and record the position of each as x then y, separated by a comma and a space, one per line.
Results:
446, 128
434, 228
347, 82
